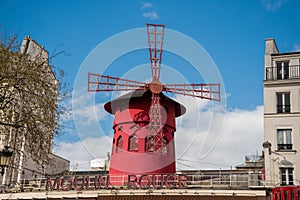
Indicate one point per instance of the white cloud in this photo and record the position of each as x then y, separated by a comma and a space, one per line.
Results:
151, 15
296, 47
82, 152
145, 5
241, 134
272, 5
85, 111
204, 135
90, 114
148, 12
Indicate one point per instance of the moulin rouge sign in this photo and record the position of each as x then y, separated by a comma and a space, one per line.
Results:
144, 181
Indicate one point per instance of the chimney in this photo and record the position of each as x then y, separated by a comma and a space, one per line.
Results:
271, 46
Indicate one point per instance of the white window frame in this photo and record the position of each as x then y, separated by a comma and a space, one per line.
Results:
281, 71
284, 108
285, 142
286, 173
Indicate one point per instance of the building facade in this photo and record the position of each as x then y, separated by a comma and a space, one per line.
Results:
281, 116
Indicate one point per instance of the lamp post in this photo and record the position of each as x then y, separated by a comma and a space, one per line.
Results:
267, 145
5, 156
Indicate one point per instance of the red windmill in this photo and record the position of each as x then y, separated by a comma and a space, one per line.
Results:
144, 119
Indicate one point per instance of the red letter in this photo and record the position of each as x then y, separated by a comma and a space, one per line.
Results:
172, 179
85, 182
141, 182
63, 184
132, 182
76, 184
182, 181
52, 187
160, 180
101, 181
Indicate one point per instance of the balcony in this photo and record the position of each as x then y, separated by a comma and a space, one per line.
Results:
281, 73
284, 108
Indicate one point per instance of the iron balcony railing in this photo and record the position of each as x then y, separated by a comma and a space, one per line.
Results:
284, 146
285, 72
284, 108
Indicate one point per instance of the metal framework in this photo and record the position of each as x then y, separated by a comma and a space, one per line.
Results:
101, 83
155, 41
222, 180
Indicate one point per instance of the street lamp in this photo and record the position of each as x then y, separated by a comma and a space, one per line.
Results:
5, 156
267, 145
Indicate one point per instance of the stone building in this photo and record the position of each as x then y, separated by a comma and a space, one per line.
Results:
24, 167
252, 164
281, 116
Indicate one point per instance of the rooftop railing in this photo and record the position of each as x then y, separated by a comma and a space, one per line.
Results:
188, 181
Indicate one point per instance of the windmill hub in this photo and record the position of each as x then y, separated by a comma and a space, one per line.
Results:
156, 86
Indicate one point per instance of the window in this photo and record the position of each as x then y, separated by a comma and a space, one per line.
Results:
282, 70
133, 143
287, 176
283, 102
119, 144
284, 139
149, 143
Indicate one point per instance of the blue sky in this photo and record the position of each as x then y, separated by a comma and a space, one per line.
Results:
232, 32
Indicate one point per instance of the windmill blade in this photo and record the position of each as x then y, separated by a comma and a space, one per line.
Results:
155, 41
203, 91
99, 83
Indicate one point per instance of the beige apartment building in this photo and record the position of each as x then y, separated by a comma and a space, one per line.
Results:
281, 116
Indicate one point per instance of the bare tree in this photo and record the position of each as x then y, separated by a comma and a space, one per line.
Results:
32, 96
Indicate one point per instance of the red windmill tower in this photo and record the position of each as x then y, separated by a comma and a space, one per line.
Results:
144, 119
